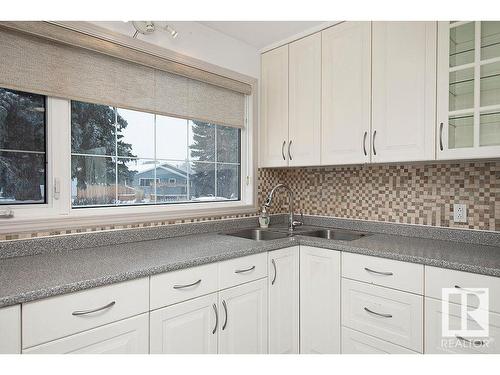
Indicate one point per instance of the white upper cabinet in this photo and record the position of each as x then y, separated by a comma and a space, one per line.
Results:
403, 91
346, 95
304, 101
274, 108
468, 90
283, 281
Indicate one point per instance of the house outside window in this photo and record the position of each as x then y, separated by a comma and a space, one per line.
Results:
124, 157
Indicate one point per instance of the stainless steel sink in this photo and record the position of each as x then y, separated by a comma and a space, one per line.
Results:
258, 234
335, 234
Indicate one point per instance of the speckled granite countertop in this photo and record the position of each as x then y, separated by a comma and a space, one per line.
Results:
28, 278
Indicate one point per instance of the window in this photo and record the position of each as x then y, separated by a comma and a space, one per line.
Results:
124, 157
22, 148
147, 181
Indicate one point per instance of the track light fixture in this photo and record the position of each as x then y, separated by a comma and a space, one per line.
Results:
149, 27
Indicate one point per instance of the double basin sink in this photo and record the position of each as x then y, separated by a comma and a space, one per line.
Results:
330, 234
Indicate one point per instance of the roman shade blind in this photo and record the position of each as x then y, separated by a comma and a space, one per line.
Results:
108, 73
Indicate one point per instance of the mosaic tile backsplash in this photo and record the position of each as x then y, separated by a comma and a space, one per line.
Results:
410, 194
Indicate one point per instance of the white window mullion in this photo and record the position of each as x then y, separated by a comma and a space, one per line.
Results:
116, 156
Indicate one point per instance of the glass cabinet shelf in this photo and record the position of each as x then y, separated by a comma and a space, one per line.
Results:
490, 84
490, 39
462, 44
461, 89
473, 70
489, 134
461, 131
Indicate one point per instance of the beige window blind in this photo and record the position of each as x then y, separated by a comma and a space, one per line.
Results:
41, 65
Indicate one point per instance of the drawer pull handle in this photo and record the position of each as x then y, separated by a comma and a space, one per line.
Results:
473, 342
275, 271
378, 314
187, 285
216, 319
85, 312
468, 290
378, 272
225, 313
245, 270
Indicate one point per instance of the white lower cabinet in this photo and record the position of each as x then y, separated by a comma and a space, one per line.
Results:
186, 328
243, 319
128, 336
319, 301
283, 282
354, 342
10, 330
387, 314
435, 343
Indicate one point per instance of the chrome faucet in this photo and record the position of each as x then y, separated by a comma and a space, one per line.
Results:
291, 222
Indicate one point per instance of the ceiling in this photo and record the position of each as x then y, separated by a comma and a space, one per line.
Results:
261, 33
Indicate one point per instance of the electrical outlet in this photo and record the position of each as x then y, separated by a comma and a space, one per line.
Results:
459, 213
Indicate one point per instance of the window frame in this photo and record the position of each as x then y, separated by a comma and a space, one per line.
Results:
58, 212
45, 153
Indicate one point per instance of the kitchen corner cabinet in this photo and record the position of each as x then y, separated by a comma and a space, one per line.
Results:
304, 114
468, 102
10, 330
403, 91
319, 301
283, 282
346, 93
274, 108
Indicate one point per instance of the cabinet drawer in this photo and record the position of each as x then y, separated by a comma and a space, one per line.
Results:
438, 278
10, 330
354, 342
388, 314
386, 272
241, 270
129, 336
435, 343
173, 287
60, 316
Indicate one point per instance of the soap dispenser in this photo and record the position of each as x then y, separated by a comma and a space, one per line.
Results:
264, 218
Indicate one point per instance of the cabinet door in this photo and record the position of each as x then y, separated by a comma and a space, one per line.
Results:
435, 343
283, 284
468, 90
319, 301
243, 319
354, 342
346, 93
388, 314
186, 328
129, 336
10, 330
274, 108
305, 102
404, 91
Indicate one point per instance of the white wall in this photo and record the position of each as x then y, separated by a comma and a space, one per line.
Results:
201, 42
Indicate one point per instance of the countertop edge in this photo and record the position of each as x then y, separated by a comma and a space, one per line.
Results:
263, 247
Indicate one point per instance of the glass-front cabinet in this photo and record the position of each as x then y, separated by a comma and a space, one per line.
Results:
468, 117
